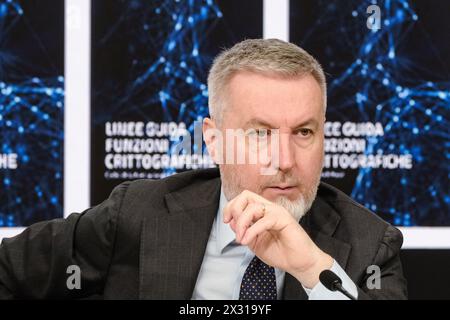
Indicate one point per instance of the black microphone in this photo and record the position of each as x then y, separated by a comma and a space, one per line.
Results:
332, 282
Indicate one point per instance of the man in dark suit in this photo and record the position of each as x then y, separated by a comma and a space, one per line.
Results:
252, 229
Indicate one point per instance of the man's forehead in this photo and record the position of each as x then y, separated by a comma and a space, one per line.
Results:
275, 101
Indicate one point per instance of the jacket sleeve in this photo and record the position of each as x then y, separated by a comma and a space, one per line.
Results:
391, 285
35, 264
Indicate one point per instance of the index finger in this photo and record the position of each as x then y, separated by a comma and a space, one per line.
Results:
237, 205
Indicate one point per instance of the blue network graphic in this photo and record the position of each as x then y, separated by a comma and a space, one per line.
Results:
164, 44
168, 67
150, 63
31, 126
384, 84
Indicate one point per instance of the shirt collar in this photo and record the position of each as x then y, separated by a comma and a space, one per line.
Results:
225, 235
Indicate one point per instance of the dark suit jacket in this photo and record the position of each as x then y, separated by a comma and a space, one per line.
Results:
148, 239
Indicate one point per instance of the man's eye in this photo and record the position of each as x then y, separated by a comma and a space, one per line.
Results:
304, 132
262, 133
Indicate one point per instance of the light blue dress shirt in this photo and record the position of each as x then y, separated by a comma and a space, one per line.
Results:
225, 262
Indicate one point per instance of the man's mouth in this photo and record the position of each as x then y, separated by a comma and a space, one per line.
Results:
282, 187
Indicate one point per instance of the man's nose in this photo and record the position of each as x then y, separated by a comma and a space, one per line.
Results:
285, 153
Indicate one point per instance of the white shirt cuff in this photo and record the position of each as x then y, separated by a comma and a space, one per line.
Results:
319, 292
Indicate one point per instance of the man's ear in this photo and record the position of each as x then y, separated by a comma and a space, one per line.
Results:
212, 136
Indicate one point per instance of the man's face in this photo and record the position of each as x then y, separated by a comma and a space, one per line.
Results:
261, 105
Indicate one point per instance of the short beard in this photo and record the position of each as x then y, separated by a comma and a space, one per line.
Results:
232, 187
296, 208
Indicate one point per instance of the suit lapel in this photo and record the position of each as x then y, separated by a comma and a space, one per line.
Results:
173, 243
320, 223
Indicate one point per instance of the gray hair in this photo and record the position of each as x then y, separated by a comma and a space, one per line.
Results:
263, 56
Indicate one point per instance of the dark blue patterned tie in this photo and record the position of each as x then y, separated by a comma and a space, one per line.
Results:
259, 282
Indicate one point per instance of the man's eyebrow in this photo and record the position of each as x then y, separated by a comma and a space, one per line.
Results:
257, 121
308, 122
264, 123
